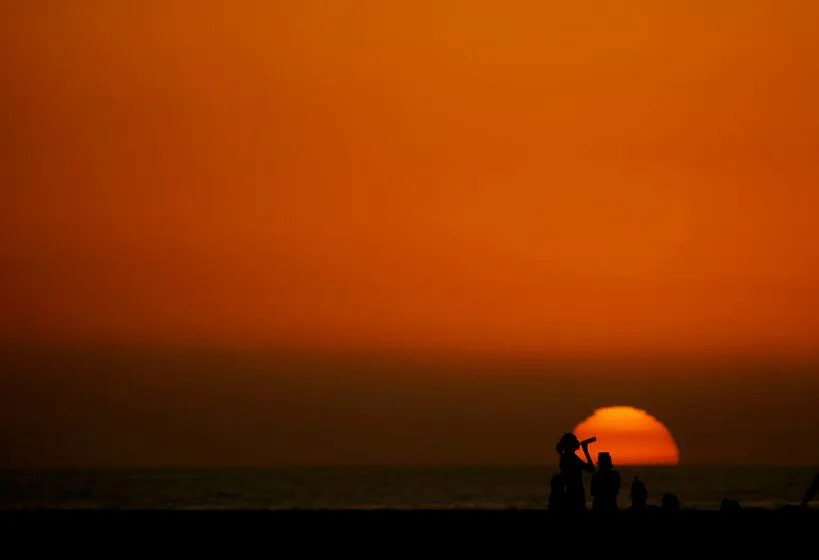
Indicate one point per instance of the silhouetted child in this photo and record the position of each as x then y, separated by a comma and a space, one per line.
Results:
670, 502
730, 506
572, 468
605, 484
557, 497
639, 495
811, 492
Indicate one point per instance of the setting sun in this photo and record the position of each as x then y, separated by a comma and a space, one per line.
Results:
631, 435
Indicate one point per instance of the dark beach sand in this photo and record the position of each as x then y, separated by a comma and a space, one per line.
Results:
392, 531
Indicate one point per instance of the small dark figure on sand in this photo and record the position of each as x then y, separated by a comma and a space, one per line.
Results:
639, 495
730, 506
557, 497
811, 492
670, 502
605, 484
572, 468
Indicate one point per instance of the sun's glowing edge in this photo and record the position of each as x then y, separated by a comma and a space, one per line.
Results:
632, 435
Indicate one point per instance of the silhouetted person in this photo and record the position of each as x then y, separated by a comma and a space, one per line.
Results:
557, 497
639, 495
729, 506
811, 492
572, 468
605, 484
670, 502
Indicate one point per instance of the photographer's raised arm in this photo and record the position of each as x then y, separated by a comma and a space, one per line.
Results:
589, 464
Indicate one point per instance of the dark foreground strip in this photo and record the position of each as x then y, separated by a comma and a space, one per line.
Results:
396, 532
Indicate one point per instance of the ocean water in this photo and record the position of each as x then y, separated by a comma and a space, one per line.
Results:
372, 487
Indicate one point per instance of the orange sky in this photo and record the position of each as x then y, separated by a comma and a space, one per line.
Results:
535, 177
525, 181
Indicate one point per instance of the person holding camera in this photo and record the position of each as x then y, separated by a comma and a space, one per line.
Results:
572, 468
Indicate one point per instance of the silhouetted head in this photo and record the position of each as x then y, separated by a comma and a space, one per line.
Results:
568, 444
604, 460
670, 502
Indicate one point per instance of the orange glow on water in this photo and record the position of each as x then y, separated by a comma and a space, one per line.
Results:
631, 435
